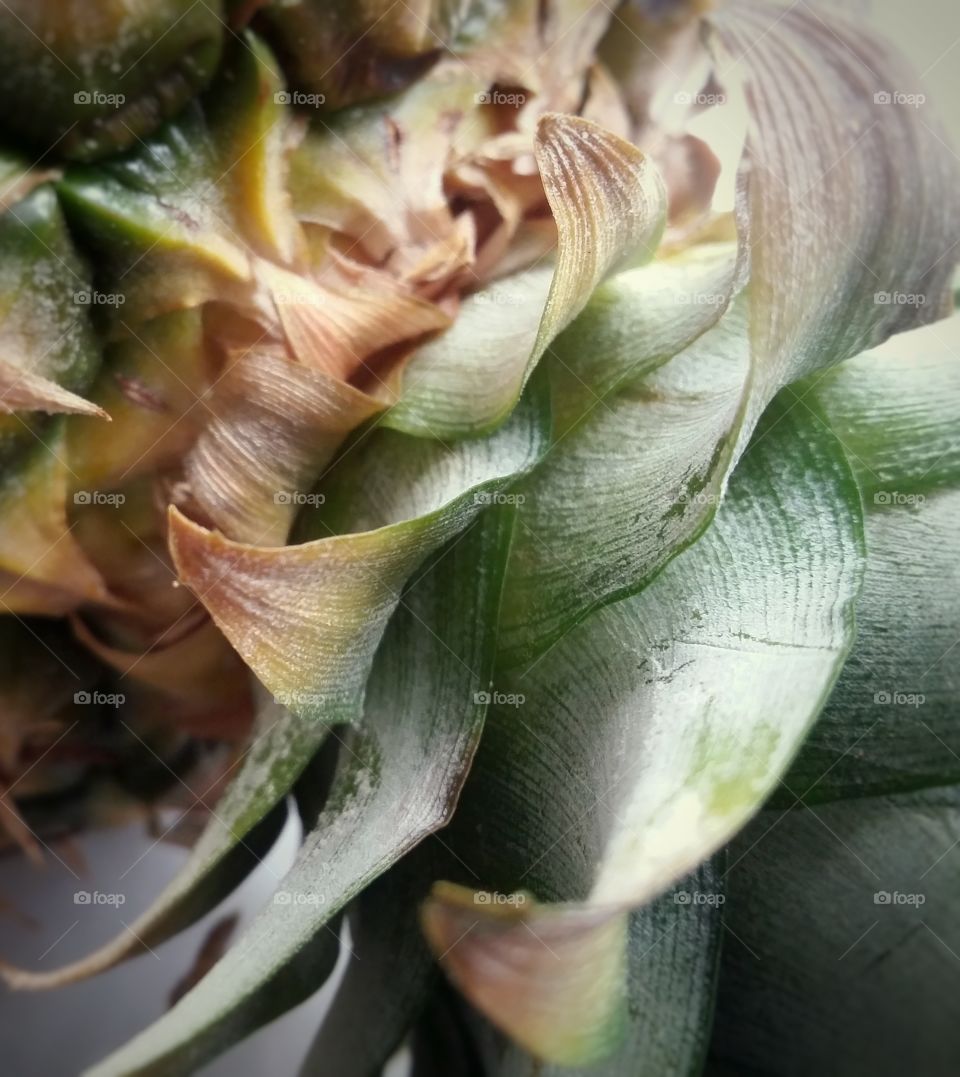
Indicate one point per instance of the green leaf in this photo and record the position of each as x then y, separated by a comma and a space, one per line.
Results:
816, 250
423, 478
308, 618
849, 202
630, 483
844, 940
645, 738
373, 1007
896, 409
638, 320
49, 358
400, 778
175, 221
892, 723
49, 353
241, 829
673, 952
609, 204
467, 380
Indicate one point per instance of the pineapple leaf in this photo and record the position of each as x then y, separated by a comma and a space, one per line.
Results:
399, 780
848, 204
698, 692
673, 952
175, 220
22, 390
151, 387
896, 410
373, 1009
302, 414
242, 828
425, 477
630, 478
863, 991
49, 356
387, 192
49, 353
609, 204
800, 318
892, 723
49, 571
308, 618
637, 321
468, 379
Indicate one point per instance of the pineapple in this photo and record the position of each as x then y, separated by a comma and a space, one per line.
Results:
398, 424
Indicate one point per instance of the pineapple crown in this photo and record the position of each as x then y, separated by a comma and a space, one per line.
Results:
470, 416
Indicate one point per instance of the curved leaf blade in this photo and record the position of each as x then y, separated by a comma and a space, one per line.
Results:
609, 204
308, 618
699, 691
891, 724
849, 206
399, 782
872, 989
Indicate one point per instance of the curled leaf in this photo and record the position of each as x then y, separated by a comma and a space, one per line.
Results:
274, 425
849, 203
634, 475
698, 691
891, 724
398, 782
307, 618
609, 205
